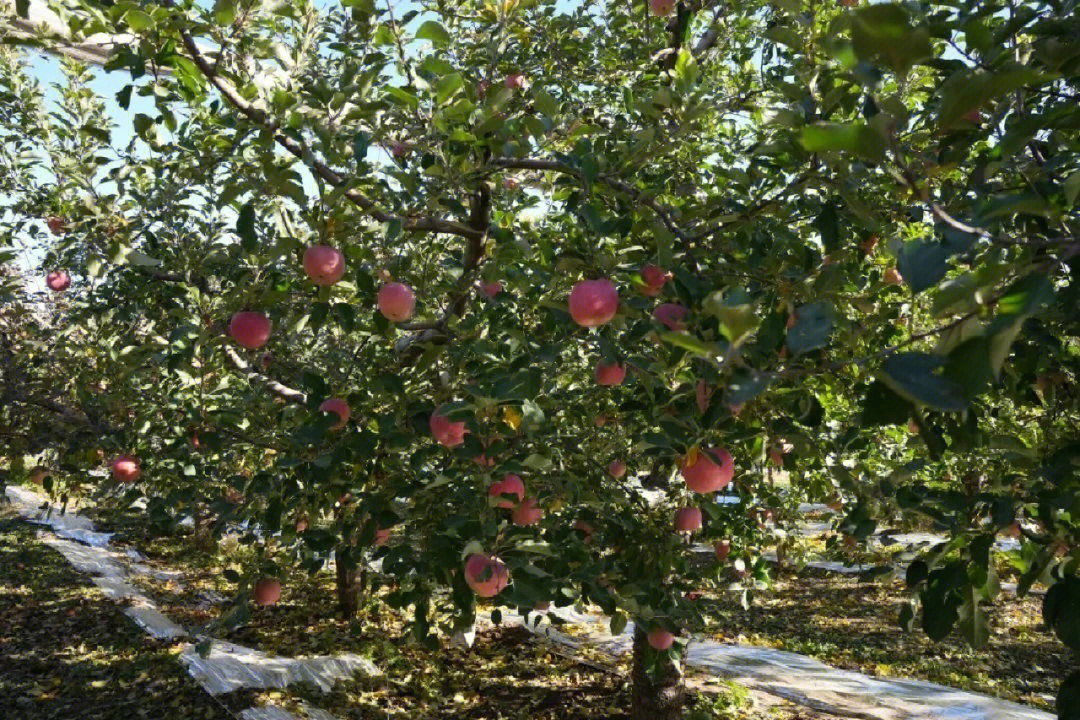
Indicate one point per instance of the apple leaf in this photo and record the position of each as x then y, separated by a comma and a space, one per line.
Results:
922, 263
856, 137
812, 327
882, 406
915, 376
884, 34
433, 32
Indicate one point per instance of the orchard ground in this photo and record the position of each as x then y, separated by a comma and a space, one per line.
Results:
841, 620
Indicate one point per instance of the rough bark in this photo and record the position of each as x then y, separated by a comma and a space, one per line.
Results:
348, 589
656, 695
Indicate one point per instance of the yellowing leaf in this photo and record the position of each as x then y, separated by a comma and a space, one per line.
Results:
512, 418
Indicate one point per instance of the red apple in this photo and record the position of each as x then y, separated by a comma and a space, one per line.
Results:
616, 469
511, 183
382, 536
659, 638
688, 519
1013, 531
125, 468
447, 433
38, 475
869, 244
266, 359
195, 440
542, 606
526, 513
776, 458
892, 277
593, 302
250, 329
339, 406
671, 315
267, 592
482, 87
612, 374
302, 525
399, 150
491, 289
323, 264
396, 301
58, 280
486, 574
510, 485
702, 475
722, 550
57, 225
655, 278
515, 81
483, 460
584, 528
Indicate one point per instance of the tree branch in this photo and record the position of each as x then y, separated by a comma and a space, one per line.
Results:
282, 391
331, 176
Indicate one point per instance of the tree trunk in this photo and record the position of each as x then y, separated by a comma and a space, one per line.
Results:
657, 692
348, 590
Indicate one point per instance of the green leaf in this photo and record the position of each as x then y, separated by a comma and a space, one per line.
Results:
915, 376
433, 32
123, 96
922, 263
856, 137
224, 12
448, 86
245, 227
882, 406
618, 623
137, 20
969, 366
972, 617
1061, 611
688, 342
884, 34
22, 8
813, 323
547, 105
745, 386
969, 90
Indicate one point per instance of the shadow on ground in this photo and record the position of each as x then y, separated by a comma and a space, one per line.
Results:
67, 652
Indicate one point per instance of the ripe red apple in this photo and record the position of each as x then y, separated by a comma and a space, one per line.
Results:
702, 395
1013, 531
584, 528
659, 638
836, 505
250, 329
702, 475
491, 289
776, 458
722, 550
38, 475
58, 280
483, 460
515, 81
266, 359
323, 264
396, 301
447, 433
486, 574
382, 536
57, 225
688, 519
869, 244
125, 468
339, 406
302, 525
892, 277
399, 150
670, 315
609, 375
511, 484
616, 469
913, 427
482, 87
195, 440
655, 278
792, 319
267, 592
511, 183
593, 302
526, 513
